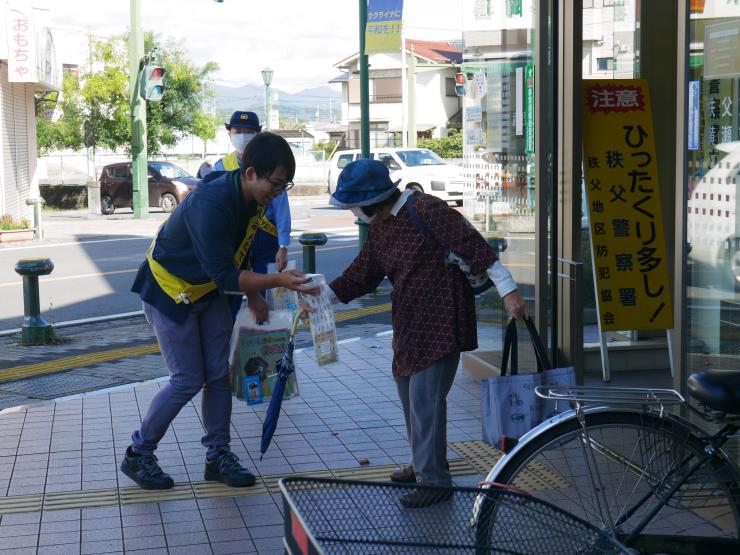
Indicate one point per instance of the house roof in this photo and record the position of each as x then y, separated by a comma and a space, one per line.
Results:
433, 51
341, 78
293, 133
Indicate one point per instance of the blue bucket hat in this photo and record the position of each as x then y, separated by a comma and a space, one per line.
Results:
362, 183
244, 120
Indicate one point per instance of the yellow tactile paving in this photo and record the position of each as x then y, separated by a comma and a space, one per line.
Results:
209, 490
89, 359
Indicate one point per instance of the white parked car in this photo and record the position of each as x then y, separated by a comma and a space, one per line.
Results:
419, 169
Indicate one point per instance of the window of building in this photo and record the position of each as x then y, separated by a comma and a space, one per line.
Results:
450, 86
605, 64
386, 89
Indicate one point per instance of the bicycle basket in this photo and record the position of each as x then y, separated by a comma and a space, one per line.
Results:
343, 516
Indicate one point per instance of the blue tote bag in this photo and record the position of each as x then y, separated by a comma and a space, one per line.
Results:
509, 404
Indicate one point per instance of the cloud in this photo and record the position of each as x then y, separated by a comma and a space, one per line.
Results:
298, 39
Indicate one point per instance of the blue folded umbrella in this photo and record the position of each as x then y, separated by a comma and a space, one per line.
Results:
285, 367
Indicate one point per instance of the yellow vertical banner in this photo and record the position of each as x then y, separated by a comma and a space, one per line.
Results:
383, 28
624, 205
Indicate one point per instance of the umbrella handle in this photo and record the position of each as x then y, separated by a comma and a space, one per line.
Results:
295, 325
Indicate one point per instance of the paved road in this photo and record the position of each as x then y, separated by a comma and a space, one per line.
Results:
96, 259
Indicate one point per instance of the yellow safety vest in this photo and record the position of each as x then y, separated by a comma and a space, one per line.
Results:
231, 162
180, 290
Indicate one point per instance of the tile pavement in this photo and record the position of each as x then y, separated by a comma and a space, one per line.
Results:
347, 411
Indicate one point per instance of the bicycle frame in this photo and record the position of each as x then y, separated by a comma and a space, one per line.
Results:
578, 414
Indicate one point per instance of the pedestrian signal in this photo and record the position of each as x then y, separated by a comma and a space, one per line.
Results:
152, 82
460, 84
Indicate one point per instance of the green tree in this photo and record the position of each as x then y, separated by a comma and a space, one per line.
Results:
67, 132
326, 146
97, 110
446, 147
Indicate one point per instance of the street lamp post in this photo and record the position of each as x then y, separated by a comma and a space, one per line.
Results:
267, 79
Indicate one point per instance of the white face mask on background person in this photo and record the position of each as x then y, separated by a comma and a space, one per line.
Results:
240, 140
360, 213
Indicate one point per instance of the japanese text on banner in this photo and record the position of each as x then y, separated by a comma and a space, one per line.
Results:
21, 39
383, 29
623, 194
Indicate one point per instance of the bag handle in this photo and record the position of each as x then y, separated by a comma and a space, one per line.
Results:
510, 346
543, 362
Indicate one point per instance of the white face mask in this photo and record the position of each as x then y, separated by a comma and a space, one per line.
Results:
240, 140
357, 211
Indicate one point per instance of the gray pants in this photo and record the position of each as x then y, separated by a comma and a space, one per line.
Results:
196, 354
424, 399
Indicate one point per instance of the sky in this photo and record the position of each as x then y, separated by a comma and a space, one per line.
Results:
300, 40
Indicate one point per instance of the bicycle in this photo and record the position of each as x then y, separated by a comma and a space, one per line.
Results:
621, 462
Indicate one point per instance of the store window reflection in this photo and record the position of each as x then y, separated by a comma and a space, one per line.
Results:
713, 234
499, 130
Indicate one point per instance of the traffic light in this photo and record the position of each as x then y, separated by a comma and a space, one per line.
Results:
460, 84
152, 82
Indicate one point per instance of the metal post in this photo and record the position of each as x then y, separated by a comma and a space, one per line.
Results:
35, 330
364, 87
139, 171
310, 241
363, 228
268, 107
38, 230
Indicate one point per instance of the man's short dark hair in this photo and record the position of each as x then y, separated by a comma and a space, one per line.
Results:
266, 152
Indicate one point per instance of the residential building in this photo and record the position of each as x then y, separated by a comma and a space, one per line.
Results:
435, 102
27, 64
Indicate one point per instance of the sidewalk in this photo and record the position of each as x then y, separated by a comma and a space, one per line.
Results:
62, 491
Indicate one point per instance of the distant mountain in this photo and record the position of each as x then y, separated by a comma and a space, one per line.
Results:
302, 105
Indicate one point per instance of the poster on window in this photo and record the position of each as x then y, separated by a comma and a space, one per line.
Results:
623, 195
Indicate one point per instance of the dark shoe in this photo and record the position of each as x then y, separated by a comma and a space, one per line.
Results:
404, 475
424, 497
225, 468
145, 471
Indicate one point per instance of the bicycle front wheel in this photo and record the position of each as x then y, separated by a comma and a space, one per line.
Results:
623, 471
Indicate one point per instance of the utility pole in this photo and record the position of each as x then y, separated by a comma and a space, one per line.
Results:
139, 172
411, 141
364, 87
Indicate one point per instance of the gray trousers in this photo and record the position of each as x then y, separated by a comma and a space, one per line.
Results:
196, 354
424, 400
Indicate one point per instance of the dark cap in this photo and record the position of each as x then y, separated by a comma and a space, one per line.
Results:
244, 120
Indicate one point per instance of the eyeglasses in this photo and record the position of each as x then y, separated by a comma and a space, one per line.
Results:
280, 187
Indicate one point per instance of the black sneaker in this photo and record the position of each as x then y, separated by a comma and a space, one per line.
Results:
225, 468
145, 471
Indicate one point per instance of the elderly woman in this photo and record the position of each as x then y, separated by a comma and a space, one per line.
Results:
433, 304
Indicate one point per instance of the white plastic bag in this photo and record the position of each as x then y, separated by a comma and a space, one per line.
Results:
254, 351
323, 326
282, 298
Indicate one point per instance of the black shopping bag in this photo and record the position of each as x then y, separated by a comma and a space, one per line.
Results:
509, 404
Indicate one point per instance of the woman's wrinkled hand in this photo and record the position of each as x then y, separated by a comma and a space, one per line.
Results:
515, 305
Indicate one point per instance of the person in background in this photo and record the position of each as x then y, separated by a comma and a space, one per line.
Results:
273, 238
433, 305
198, 255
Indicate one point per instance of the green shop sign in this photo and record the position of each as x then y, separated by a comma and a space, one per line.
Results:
529, 110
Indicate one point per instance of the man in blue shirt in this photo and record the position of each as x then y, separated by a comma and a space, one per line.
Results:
272, 240
198, 254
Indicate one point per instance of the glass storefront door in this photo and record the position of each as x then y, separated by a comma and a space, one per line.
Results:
713, 157
503, 43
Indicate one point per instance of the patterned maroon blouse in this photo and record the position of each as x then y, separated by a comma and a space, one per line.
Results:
433, 305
